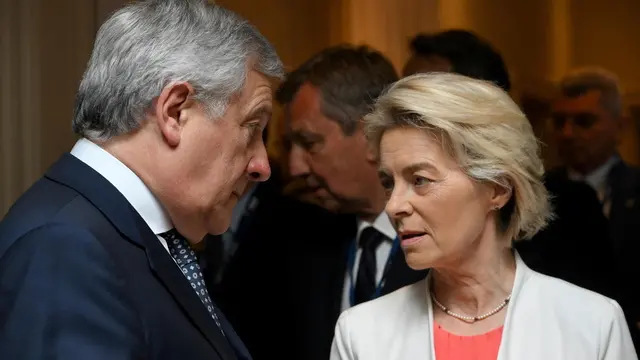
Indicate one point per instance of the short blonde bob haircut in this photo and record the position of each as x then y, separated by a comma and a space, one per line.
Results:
484, 131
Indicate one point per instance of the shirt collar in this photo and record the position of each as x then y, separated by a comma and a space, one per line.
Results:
382, 223
597, 179
126, 182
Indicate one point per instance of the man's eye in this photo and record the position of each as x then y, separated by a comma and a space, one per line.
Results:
420, 180
386, 182
559, 121
584, 121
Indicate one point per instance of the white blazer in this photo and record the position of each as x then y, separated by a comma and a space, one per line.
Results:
547, 319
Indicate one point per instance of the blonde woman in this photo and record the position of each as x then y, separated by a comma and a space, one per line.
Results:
463, 174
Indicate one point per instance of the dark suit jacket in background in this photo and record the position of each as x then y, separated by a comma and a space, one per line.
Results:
575, 246
83, 277
622, 238
283, 288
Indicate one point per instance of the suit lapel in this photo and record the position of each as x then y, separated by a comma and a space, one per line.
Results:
103, 195
164, 266
622, 182
337, 280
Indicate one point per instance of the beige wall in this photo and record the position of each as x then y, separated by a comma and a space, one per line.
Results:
45, 45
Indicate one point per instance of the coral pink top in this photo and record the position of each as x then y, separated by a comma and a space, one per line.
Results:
477, 347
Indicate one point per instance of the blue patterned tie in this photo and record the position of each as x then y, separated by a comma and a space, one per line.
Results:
187, 260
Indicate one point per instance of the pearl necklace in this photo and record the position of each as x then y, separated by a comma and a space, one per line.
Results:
470, 319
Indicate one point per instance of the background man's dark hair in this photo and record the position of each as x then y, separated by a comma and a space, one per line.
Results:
467, 53
349, 78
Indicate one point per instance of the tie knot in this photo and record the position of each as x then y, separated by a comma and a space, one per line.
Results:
370, 238
179, 247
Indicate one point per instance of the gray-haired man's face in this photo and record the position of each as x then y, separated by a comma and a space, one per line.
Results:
211, 162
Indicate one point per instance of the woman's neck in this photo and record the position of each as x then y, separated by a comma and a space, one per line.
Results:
478, 285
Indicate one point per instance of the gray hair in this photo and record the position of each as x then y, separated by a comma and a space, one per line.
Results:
580, 81
147, 45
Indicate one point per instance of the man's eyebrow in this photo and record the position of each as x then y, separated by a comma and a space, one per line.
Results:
264, 110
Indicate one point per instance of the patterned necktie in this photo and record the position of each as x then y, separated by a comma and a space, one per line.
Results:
187, 260
369, 241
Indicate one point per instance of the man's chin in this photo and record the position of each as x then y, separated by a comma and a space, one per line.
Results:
218, 225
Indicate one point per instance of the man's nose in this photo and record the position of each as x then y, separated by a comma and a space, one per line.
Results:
567, 129
297, 163
259, 168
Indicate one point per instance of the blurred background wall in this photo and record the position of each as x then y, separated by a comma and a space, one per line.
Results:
45, 45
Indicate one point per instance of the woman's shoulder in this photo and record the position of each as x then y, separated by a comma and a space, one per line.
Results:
545, 307
568, 292
574, 303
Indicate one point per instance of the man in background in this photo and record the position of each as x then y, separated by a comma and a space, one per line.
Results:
321, 260
97, 258
588, 121
458, 51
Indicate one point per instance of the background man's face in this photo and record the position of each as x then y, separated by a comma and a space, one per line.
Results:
586, 133
333, 165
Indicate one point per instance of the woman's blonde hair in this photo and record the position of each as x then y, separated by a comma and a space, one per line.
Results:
483, 129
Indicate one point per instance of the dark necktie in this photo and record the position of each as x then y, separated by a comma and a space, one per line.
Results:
187, 260
369, 241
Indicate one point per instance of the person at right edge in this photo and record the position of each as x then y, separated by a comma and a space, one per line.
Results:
588, 122
462, 171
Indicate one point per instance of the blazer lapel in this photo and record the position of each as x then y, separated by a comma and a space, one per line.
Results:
164, 266
103, 195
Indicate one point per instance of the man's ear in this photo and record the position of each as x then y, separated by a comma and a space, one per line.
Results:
169, 110
626, 120
623, 123
372, 153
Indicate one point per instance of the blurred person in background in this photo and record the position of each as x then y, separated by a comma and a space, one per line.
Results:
588, 120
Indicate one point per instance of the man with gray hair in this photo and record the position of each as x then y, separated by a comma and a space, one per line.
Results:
96, 258
588, 123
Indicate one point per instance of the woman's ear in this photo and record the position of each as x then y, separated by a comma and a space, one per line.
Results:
500, 194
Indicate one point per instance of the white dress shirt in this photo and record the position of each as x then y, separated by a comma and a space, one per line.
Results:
597, 179
383, 225
128, 184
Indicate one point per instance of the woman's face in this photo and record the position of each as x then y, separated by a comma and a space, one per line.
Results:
441, 214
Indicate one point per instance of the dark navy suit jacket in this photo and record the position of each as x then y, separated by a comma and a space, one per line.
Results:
83, 277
